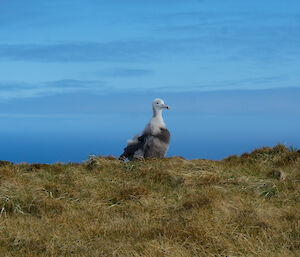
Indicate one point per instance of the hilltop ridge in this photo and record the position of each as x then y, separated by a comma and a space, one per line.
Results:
244, 205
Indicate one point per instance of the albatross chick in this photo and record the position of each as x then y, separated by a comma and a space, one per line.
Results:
155, 139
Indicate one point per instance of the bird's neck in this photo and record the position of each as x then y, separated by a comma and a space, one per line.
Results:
157, 118
157, 113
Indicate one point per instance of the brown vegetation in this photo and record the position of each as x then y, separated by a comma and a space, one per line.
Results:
241, 206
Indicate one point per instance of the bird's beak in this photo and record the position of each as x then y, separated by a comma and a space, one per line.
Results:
166, 106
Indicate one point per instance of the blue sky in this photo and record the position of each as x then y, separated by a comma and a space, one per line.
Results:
78, 77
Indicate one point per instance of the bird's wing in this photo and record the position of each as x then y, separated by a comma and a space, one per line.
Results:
134, 146
129, 150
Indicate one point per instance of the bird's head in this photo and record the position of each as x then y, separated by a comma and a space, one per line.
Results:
159, 104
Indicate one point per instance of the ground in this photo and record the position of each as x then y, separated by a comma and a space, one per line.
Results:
244, 205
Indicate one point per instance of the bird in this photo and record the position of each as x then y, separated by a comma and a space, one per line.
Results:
155, 139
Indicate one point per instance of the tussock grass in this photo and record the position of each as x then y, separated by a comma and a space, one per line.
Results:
244, 205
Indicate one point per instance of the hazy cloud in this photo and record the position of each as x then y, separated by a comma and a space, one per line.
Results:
194, 103
237, 32
125, 72
87, 51
264, 35
261, 43
75, 84
13, 90
246, 83
14, 86
255, 83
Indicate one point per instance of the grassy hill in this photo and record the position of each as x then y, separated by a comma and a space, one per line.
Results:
240, 206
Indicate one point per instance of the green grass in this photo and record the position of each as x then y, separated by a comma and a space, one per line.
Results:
244, 205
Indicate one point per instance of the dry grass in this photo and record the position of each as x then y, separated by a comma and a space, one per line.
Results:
241, 206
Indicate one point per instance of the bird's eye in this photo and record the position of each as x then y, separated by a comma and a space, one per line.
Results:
157, 103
